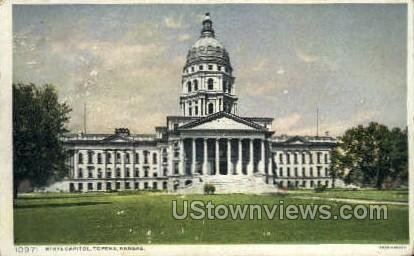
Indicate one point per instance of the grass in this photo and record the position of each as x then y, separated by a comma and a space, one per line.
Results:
142, 218
365, 194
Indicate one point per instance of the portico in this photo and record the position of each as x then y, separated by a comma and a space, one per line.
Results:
224, 156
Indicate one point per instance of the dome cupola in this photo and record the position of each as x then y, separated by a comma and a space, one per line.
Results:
207, 81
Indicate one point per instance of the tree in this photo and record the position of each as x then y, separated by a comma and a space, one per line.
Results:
38, 122
370, 155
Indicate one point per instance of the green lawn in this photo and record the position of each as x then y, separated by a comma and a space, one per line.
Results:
366, 194
147, 218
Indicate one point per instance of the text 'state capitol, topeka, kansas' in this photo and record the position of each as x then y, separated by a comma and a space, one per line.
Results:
209, 143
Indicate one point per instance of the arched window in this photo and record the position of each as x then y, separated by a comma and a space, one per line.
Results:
195, 82
189, 86
210, 108
210, 83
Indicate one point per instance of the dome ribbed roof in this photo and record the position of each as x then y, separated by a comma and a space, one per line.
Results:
207, 48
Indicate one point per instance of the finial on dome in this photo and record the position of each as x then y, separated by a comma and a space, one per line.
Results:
207, 30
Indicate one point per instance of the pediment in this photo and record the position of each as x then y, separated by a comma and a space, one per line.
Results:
222, 121
296, 140
117, 138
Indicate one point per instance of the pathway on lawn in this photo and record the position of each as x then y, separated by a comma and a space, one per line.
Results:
351, 200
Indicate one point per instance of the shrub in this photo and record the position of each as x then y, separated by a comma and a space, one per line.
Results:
322, 188
209, 189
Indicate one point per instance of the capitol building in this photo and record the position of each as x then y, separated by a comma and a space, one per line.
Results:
209, 143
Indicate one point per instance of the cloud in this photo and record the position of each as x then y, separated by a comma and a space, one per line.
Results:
172, 22
183, 37
306, 57
285, 124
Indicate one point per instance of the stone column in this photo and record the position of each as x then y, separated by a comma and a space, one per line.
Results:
229, 165
104, 165
205, 157
193, 158
262, 159
251, 162
239, 159
217, 157
75, 165
182, 170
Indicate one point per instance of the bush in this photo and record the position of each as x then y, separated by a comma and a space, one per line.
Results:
209, 189
322, 188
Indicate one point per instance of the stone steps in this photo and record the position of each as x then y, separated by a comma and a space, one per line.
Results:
226, 184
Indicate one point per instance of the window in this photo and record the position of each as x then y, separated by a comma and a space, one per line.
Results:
319, 171
295, 158
210, 83
108, 158
176, 169
109, 173
164, 185
195, 110
99, 158
108, 186
311, 171
136, 185
165, 172
127, 158
118, 185
80, 186
80, 158
146, 153
118, 172
118, 158
80, 173
287, 158
195, 82
99, 186
224, 86
318, 157
326, 172
90, 155
210, 67
188, 86
200, 67
146, 173
288, 172
90, 174
99, 173
145, 185
127, 186
192, 69
154, 158
303, 172
210, 108
312, 184
155, 185
281, 158
281, 171
310, 158
219, 68
127, 172
303, 158
326, 158
90, 187
136, 158
296, 172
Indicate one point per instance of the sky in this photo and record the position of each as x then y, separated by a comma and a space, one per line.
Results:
125, 61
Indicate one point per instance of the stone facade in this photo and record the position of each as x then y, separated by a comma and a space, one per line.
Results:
207, 143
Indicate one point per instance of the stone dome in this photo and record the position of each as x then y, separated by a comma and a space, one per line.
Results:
207, 48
